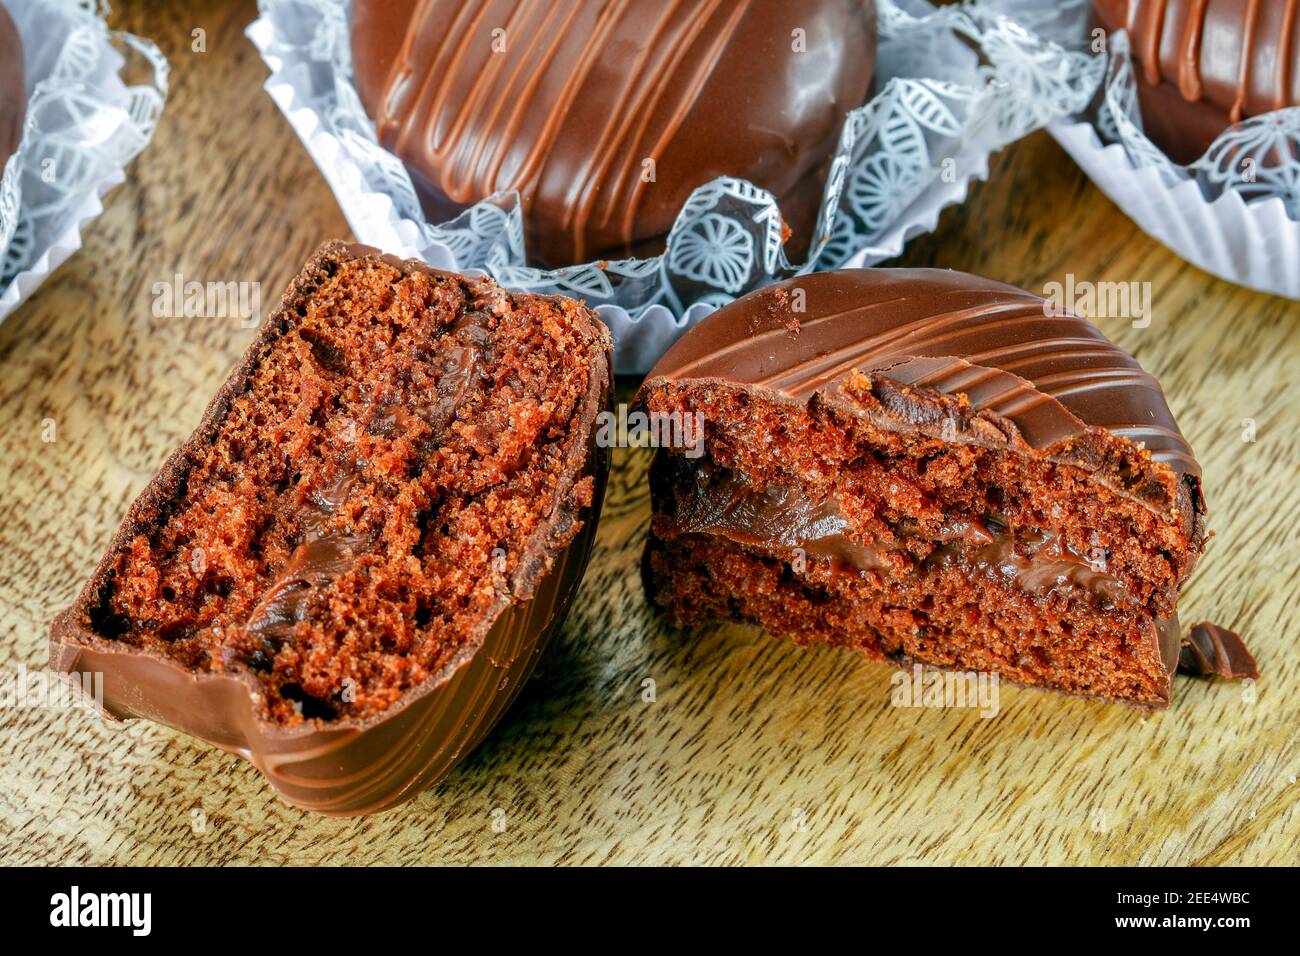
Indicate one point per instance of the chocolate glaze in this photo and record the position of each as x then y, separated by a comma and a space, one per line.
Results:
967, 360
1206, 64
1051, 386
345, 766
1214, 650
584, 92
13, 88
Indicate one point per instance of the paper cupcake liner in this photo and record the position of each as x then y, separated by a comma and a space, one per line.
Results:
1255, 244
84, 124
956, 84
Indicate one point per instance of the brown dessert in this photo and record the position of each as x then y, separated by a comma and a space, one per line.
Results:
1203, 65
348, 571
13, 88
927, 466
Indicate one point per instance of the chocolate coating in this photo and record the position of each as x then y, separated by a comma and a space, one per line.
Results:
345, 766
1203, 65
13, 88
1038, 383
583, 93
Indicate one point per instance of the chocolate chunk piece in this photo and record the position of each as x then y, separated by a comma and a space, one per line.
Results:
1213, 650
606, 114
349, 570
926, 466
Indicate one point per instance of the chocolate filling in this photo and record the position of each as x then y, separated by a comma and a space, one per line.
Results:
323, 554
783, 518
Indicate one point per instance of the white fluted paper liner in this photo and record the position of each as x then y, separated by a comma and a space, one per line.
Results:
1242, 228
1255, 244
84, 124
956, 84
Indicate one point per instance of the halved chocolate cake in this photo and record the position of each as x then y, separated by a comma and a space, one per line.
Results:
349, 570
932, 467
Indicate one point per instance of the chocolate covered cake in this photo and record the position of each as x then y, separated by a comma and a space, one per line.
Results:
606, 114
13, 88
926, 466
349, 570
1202, 65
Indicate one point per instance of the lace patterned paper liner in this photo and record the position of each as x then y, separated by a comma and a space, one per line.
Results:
955, 86
1268, 145
84, 124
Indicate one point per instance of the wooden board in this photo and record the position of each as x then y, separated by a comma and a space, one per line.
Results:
752, 750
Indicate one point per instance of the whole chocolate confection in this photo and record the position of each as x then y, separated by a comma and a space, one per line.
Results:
891, 449
13, 89
1203, 65
350, 569
606, 114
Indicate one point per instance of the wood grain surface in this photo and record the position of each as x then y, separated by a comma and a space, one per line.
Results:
751, 750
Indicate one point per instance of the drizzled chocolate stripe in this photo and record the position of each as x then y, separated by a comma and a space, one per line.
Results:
487, 121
